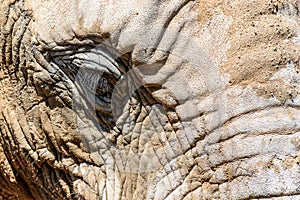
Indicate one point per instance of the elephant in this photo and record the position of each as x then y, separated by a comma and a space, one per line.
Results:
172, 99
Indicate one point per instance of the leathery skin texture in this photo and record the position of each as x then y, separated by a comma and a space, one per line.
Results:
147, 99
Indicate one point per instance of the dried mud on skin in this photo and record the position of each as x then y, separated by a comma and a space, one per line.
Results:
263, 37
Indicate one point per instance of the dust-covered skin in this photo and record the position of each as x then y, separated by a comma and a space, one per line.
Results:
149, 99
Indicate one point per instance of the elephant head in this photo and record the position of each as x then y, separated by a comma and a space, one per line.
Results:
149, 99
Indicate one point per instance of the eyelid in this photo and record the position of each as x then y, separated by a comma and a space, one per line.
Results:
93, 61
98, 59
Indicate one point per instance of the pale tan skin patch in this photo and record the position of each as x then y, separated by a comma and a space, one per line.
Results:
261, 43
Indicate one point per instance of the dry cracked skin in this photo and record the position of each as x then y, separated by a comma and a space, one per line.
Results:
171, 99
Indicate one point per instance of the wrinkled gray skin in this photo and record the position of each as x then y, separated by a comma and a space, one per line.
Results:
123, 100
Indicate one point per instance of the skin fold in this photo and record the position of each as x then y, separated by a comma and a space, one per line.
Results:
171, 99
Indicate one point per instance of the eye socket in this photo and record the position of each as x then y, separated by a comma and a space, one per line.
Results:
114, 94
95, 72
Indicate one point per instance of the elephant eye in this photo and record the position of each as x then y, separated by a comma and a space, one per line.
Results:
95, 72
114, 95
